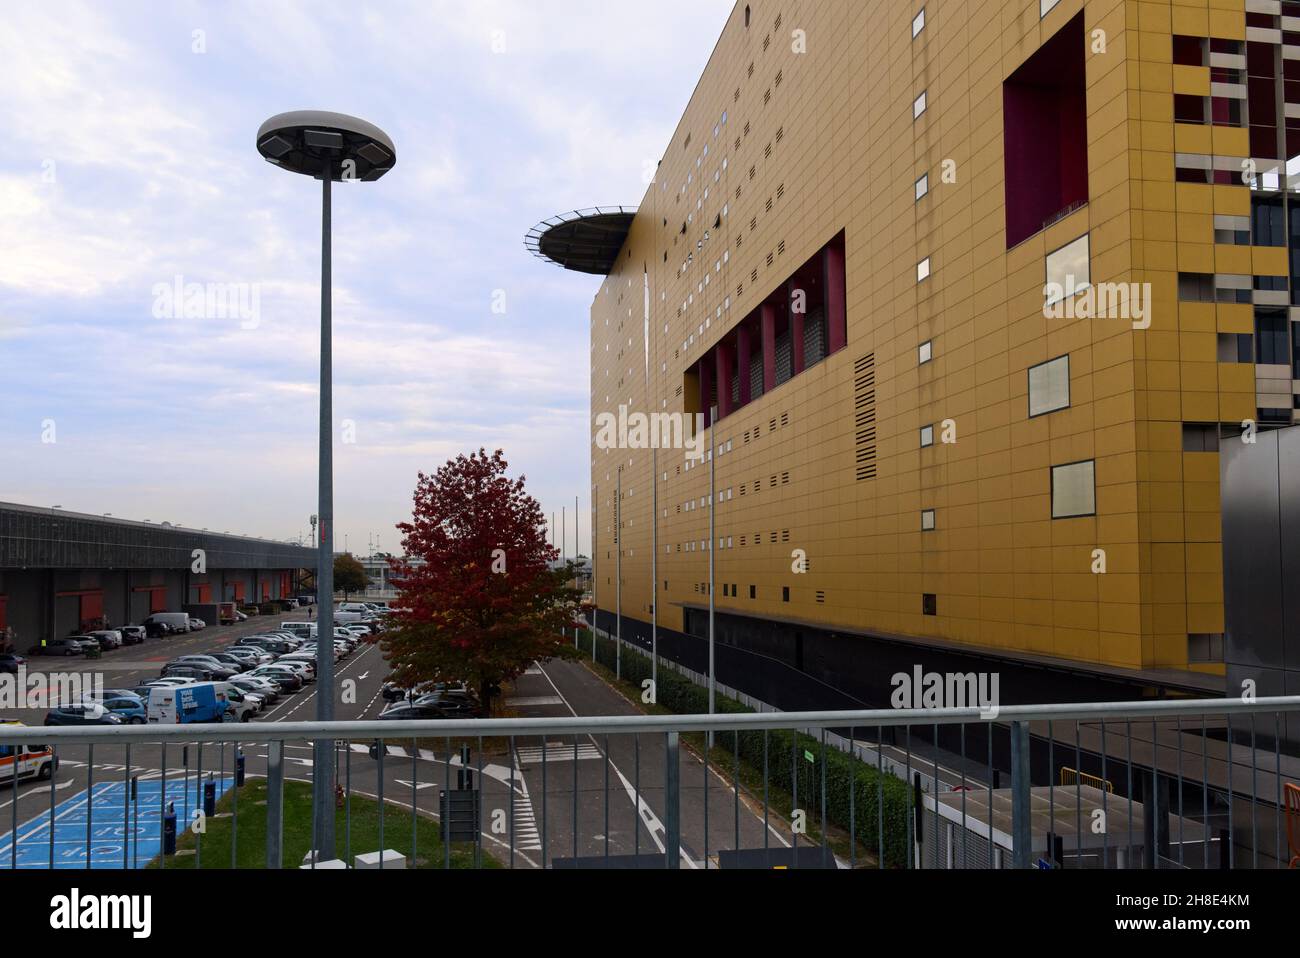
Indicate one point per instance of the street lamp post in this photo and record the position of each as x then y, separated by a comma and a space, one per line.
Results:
328, 147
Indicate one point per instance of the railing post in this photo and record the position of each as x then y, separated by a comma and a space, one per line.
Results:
672, 803
275, 805
1021, 829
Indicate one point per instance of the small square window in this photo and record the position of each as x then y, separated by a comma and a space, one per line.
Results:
923, 185
918, 23
1049, 386
924, 353
1074, 490
918, 105
1205, 647
1200, 437
927, 436
923, 269
1067, 271
927, 520
929, 603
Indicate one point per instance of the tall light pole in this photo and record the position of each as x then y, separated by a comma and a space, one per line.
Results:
713, 511
618, 575
327, 147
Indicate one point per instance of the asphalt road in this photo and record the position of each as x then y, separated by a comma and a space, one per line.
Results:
540, 803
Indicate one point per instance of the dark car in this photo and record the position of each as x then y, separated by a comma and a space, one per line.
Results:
90, 713
107, 639
10, 661
132, 634
192, 672
450, 704
156, 630
413, 710
236, 662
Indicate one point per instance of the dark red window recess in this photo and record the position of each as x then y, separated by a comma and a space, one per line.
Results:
797, 325
1045, 134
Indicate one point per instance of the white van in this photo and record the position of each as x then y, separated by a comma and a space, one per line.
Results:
194, 702
303, 630
175, 621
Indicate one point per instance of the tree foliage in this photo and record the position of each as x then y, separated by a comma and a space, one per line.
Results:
484, 601
349, 575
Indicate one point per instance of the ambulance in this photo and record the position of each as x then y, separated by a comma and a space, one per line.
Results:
34, 761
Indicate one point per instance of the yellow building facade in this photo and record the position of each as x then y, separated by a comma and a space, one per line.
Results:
972, 458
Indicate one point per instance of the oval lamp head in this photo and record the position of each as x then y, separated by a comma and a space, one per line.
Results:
313, 141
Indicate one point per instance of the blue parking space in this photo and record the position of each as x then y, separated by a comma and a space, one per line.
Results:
123, 833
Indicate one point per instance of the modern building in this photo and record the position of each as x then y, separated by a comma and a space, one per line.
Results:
967, 293
63, 572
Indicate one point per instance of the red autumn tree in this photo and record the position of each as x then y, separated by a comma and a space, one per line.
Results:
479, 599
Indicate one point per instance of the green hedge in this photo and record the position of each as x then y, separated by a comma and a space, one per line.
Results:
679, 694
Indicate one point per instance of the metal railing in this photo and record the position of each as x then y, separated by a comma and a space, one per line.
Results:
1196, 784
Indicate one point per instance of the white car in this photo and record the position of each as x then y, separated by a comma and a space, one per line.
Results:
196, 624
301, 669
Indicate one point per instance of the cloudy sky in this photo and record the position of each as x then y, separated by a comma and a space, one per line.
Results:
130, 162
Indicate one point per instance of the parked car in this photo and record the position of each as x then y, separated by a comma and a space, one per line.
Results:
198, 673
107, 639
261, 686
132, 634
10, 662
240, 616
216, 668
250, 654
287, 680
68, 645
88, 645
197, 624
82, 713
409, 710
234, 661
451, 704
129, 708
175, 621
157, 630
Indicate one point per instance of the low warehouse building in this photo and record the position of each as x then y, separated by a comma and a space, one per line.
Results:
64, 572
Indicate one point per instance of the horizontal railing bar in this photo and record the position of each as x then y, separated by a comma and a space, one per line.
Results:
634, 724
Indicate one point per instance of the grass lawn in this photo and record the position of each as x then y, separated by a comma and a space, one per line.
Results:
251, 846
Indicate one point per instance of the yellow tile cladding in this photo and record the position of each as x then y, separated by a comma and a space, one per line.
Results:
823, 141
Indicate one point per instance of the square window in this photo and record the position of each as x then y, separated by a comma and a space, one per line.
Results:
1067, 271
923, 185
923, 269
924, 353
929, 603
927, 520
918, 105
927, 436
1200, 437
1049, 386
1074, 490
1205, 647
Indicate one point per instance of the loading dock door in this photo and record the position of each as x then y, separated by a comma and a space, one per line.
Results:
205, 594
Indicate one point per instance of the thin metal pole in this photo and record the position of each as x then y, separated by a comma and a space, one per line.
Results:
322, 765
713, 511
275, 805
13, 829
654, 572
90, 798
672, 802
618, 575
